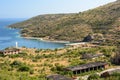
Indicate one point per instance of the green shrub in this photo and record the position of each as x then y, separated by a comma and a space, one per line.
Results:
34, 60
2, 55
16, 64
116, 74
94, 77
24, 68
22, 54
31, 72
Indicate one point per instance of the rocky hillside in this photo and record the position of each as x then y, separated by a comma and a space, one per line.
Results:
104, 20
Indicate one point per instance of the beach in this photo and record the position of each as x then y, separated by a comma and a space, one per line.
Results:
47, 40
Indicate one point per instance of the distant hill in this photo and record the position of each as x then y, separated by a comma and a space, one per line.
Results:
103, 20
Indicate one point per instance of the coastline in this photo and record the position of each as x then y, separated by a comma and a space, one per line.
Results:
47, 40
41, 39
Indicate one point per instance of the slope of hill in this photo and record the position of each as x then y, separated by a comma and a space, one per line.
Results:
104, 20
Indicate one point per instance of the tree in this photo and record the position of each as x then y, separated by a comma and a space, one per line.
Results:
116, 58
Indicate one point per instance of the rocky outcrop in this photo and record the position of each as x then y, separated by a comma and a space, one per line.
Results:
88, 38
116, 58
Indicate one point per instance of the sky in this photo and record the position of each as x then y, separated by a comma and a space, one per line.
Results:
31, 8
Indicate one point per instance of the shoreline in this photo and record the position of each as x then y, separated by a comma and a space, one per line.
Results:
41, 39
47, 40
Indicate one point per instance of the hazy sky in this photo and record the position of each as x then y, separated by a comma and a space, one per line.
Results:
30, 8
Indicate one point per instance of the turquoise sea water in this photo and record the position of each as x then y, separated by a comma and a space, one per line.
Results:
8, 37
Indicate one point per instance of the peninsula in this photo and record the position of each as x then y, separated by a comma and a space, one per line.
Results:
103, 20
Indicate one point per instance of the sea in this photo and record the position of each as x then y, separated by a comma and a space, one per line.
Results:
9, 37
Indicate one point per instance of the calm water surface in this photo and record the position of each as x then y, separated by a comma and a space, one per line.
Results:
8, 37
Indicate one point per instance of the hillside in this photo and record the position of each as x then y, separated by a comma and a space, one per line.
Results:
104, 20
36, 64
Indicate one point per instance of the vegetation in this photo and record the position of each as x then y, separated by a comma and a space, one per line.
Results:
116, 59
94, 77
24, 68
114, 76
34, 64
103, 20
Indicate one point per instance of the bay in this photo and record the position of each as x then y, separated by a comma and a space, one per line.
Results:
8, 37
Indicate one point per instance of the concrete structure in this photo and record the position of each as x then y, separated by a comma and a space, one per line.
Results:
57, 77
109, 72
87, 67
10, 51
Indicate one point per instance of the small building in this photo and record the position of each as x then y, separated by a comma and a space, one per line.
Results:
57, 77
87, 67
91, 56
9, 51
109, 72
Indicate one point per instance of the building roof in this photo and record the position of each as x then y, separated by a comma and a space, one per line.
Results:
9, 50
110, 72
58, 77
85, 66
